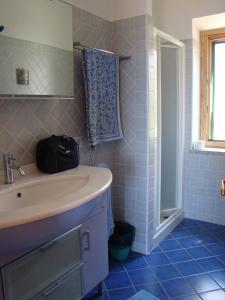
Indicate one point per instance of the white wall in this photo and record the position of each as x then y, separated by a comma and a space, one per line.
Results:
175, 16
41, 21
113, 10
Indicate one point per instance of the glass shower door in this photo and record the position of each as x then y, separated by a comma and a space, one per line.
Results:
169, 105
170, 127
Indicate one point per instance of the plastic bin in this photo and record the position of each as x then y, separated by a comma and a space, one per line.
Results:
121, 240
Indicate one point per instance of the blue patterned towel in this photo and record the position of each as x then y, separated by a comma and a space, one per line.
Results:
101, 77
143, 295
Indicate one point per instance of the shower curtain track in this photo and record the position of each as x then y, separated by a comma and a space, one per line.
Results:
80, 46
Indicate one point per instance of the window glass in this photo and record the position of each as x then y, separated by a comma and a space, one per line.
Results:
218, 92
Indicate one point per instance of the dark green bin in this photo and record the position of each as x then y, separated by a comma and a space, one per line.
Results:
121, 240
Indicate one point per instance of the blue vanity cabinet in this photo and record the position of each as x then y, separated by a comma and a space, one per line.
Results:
68, 267
95, 247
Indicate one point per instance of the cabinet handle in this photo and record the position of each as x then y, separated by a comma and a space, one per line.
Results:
87, 235
60, 282
48, 246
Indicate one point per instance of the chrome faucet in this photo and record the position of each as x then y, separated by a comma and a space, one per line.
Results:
9, 165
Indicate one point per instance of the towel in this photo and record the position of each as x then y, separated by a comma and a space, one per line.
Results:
110, 220
101, 78
143, 295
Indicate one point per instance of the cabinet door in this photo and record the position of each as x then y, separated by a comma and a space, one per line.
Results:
94, 249
67, 288
27, 276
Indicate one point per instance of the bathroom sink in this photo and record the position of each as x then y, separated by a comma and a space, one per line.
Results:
41, 192
37, 196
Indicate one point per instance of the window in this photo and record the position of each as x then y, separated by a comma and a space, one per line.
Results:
213, 88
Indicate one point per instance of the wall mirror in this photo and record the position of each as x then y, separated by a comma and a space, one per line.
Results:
36, 48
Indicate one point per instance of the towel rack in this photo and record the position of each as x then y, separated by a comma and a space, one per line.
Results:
80, 46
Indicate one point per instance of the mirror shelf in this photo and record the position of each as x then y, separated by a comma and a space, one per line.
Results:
35, 97
36, 49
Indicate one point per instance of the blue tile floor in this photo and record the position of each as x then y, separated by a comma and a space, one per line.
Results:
188, 265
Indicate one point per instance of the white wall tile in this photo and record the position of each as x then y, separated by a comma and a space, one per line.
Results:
202, 171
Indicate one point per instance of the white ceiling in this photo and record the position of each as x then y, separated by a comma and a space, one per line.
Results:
113, 10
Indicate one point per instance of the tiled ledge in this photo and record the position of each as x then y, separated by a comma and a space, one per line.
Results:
208, 150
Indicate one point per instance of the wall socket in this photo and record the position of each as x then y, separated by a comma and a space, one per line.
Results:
22, 76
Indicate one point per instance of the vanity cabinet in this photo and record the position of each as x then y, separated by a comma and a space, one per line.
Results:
67, 267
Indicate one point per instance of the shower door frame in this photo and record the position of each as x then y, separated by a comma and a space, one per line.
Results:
159, 227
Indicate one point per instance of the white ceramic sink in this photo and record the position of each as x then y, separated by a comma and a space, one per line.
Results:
41, 192
37, 196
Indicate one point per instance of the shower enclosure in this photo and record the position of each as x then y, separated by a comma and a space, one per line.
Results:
170, 117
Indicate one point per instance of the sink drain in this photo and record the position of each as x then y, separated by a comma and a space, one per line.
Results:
19, 195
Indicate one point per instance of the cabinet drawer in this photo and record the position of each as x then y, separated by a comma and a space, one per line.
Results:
68, 288
27, 276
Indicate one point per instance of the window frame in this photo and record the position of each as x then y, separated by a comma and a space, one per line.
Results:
206, 84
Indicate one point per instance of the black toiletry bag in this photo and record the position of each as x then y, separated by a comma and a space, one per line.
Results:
56, 154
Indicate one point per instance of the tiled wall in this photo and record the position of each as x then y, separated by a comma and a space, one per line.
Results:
203, 171
24, 122
152, 133
131, 161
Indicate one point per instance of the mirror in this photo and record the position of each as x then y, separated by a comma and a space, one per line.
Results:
36, 48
